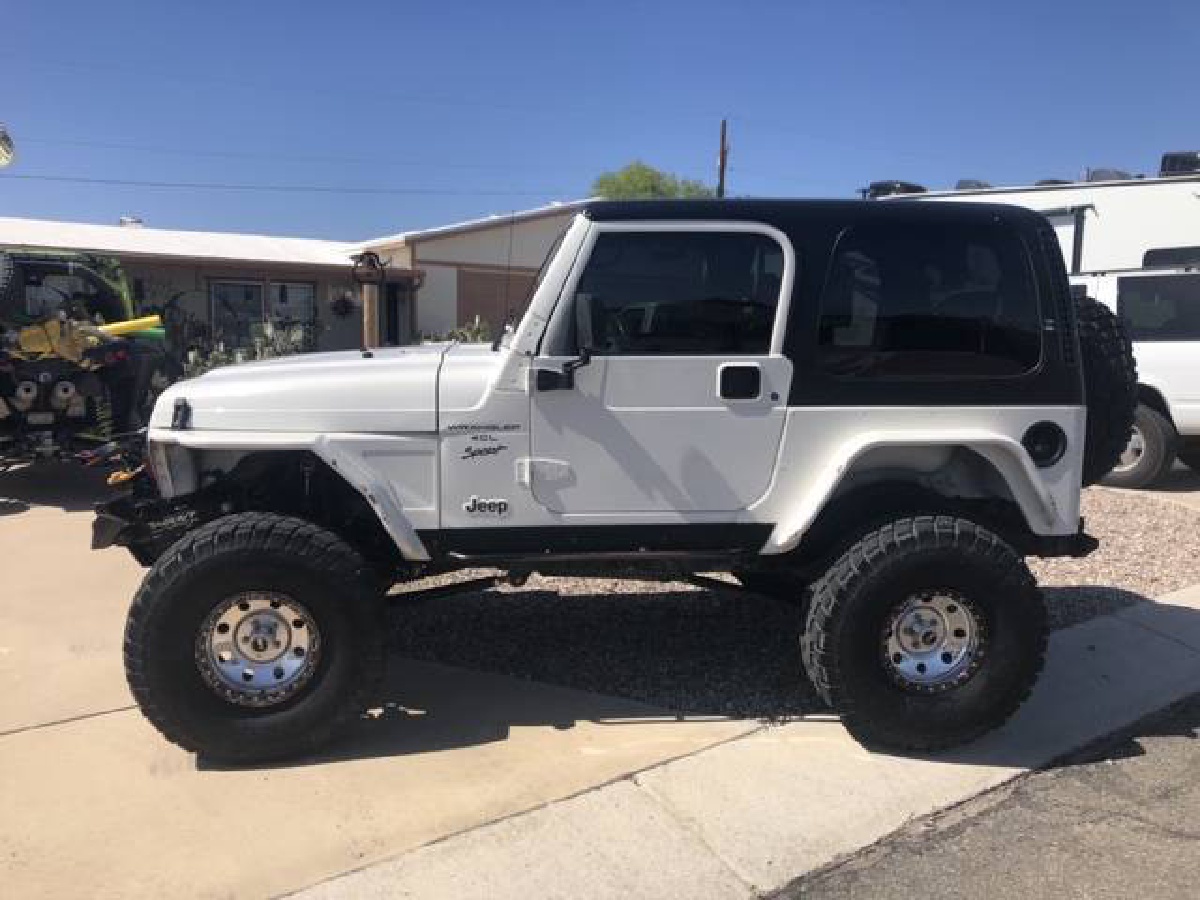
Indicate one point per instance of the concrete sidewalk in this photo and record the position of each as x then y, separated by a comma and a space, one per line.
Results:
752, 814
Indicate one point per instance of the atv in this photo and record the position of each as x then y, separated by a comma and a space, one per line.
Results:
76, 369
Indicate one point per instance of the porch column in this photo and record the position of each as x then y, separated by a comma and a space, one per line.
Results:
370, 315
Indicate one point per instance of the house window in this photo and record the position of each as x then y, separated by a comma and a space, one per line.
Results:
931, 304
291, 303
684, 293
236, 307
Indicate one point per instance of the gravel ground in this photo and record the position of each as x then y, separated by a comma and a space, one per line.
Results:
731, 653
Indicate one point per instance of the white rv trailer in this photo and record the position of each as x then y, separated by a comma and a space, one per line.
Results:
1134, 244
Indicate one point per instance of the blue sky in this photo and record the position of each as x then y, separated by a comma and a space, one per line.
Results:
466, 109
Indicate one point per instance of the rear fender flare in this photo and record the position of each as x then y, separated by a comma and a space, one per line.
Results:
1005, 454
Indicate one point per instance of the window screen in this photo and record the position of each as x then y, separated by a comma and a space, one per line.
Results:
930, 303
235, 307
686, 293
292, 304
1160, 307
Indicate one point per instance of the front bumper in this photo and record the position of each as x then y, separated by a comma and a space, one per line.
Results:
144, 526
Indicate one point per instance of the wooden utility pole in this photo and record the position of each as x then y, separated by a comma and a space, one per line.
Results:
722, 159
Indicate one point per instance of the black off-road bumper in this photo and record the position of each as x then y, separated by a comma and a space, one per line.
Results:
144, 526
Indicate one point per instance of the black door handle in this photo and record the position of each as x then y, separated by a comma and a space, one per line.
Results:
740, 381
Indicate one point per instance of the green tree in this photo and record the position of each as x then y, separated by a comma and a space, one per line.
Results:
638, 181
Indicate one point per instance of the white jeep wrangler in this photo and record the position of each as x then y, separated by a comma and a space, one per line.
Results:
877, 407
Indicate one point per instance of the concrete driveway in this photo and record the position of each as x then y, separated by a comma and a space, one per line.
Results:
468, 783
90, 794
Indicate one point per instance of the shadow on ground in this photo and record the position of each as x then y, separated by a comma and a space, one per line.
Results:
686, 656
67, 486
1179, 720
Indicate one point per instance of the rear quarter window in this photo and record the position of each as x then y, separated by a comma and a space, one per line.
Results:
1160, 307
929, 302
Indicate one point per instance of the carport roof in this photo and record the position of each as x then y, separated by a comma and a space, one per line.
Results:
139, 241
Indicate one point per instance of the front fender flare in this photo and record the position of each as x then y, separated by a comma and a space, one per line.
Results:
377, 491
336, 451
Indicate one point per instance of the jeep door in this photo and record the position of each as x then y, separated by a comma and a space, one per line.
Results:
677, 388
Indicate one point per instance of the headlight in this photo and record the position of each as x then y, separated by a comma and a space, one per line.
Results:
173, 468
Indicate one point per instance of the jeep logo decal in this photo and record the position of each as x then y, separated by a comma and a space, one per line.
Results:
477, 506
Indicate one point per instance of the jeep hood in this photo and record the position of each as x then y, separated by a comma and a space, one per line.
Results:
393, 390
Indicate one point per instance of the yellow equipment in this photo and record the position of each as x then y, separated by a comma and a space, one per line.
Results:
70, 339
117, 329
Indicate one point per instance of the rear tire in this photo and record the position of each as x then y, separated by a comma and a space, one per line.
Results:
1149, 454
960, 678
313, 613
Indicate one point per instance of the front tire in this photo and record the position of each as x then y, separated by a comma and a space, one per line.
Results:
255, 637
1149, 454
926, 634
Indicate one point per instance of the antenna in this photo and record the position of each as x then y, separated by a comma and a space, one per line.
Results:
508, 310
722, 159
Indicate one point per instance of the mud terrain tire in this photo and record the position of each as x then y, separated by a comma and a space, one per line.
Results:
254, 555
845, 646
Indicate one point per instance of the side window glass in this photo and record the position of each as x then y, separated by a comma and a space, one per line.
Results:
682, 293
1160, 307
929, 304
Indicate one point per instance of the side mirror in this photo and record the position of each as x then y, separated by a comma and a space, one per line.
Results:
564, 379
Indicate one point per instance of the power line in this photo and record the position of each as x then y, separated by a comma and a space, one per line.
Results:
243, 154
341, 92
290, 188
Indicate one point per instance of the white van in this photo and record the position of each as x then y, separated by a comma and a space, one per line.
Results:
1134, 244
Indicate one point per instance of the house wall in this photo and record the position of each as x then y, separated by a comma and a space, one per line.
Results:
437, 301
189, 282
470, 272
489, 245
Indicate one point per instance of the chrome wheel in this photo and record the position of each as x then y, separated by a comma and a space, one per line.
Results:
1133, 452
258, 648
933, 641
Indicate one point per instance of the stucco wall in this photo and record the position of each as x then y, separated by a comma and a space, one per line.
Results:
485, 247
531, 240
437, 301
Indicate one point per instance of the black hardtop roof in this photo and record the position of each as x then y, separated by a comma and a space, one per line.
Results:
793, 211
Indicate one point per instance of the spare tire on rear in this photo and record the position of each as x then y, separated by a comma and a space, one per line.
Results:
1110, 385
